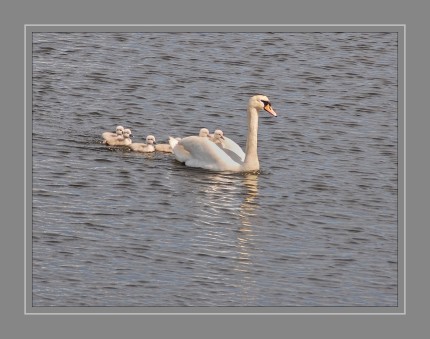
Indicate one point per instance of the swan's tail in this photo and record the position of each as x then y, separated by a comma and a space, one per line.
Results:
173, 142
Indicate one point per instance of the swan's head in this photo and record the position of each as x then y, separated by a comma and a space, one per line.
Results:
218, 134
127, 133
204, 132
261, 102
119, 130
150, 140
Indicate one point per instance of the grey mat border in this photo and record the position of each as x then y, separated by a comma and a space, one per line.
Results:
319, 310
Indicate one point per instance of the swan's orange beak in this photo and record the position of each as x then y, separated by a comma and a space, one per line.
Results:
269, 109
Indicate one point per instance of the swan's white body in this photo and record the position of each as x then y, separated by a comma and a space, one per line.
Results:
166, 148
120, 140
202, 152
203, 133
110, 135
196, 151
144, 148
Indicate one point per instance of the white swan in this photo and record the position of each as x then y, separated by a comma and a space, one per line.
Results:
144, 148
121, 140
110, 135
201, 152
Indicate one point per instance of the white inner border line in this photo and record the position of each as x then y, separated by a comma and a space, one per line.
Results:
215, 25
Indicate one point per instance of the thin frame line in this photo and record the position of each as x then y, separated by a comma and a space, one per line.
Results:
216, 25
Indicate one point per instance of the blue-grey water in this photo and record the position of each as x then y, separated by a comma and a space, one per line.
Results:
317, 226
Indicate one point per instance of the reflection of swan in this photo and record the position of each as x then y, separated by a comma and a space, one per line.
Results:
227, 224
144, 148
120, 140
110, 135
203, 153
248, 206
245, 238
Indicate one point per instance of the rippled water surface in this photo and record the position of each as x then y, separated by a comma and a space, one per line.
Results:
317, 226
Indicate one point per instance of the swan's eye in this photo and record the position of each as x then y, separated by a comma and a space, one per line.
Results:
266, 103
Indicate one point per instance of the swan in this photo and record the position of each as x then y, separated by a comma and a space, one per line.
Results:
144, 148
201, 152
121, 140
110, 135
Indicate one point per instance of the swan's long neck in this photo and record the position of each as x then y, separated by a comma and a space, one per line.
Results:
251, 157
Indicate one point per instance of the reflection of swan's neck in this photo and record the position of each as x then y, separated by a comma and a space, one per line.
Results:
251, 157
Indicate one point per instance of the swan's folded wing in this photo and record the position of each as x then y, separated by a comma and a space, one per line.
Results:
233, 155
205, 154
235, 148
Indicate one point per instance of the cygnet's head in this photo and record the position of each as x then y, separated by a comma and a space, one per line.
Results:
204, 132
218, 134
150, 140
127, 133
119, 130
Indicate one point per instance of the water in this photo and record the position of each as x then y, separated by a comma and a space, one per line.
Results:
317, 226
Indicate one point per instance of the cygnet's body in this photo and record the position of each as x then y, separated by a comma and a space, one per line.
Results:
232, 149
121, 140
144, 148
218, 138
163, 148
110, 136
204, 133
